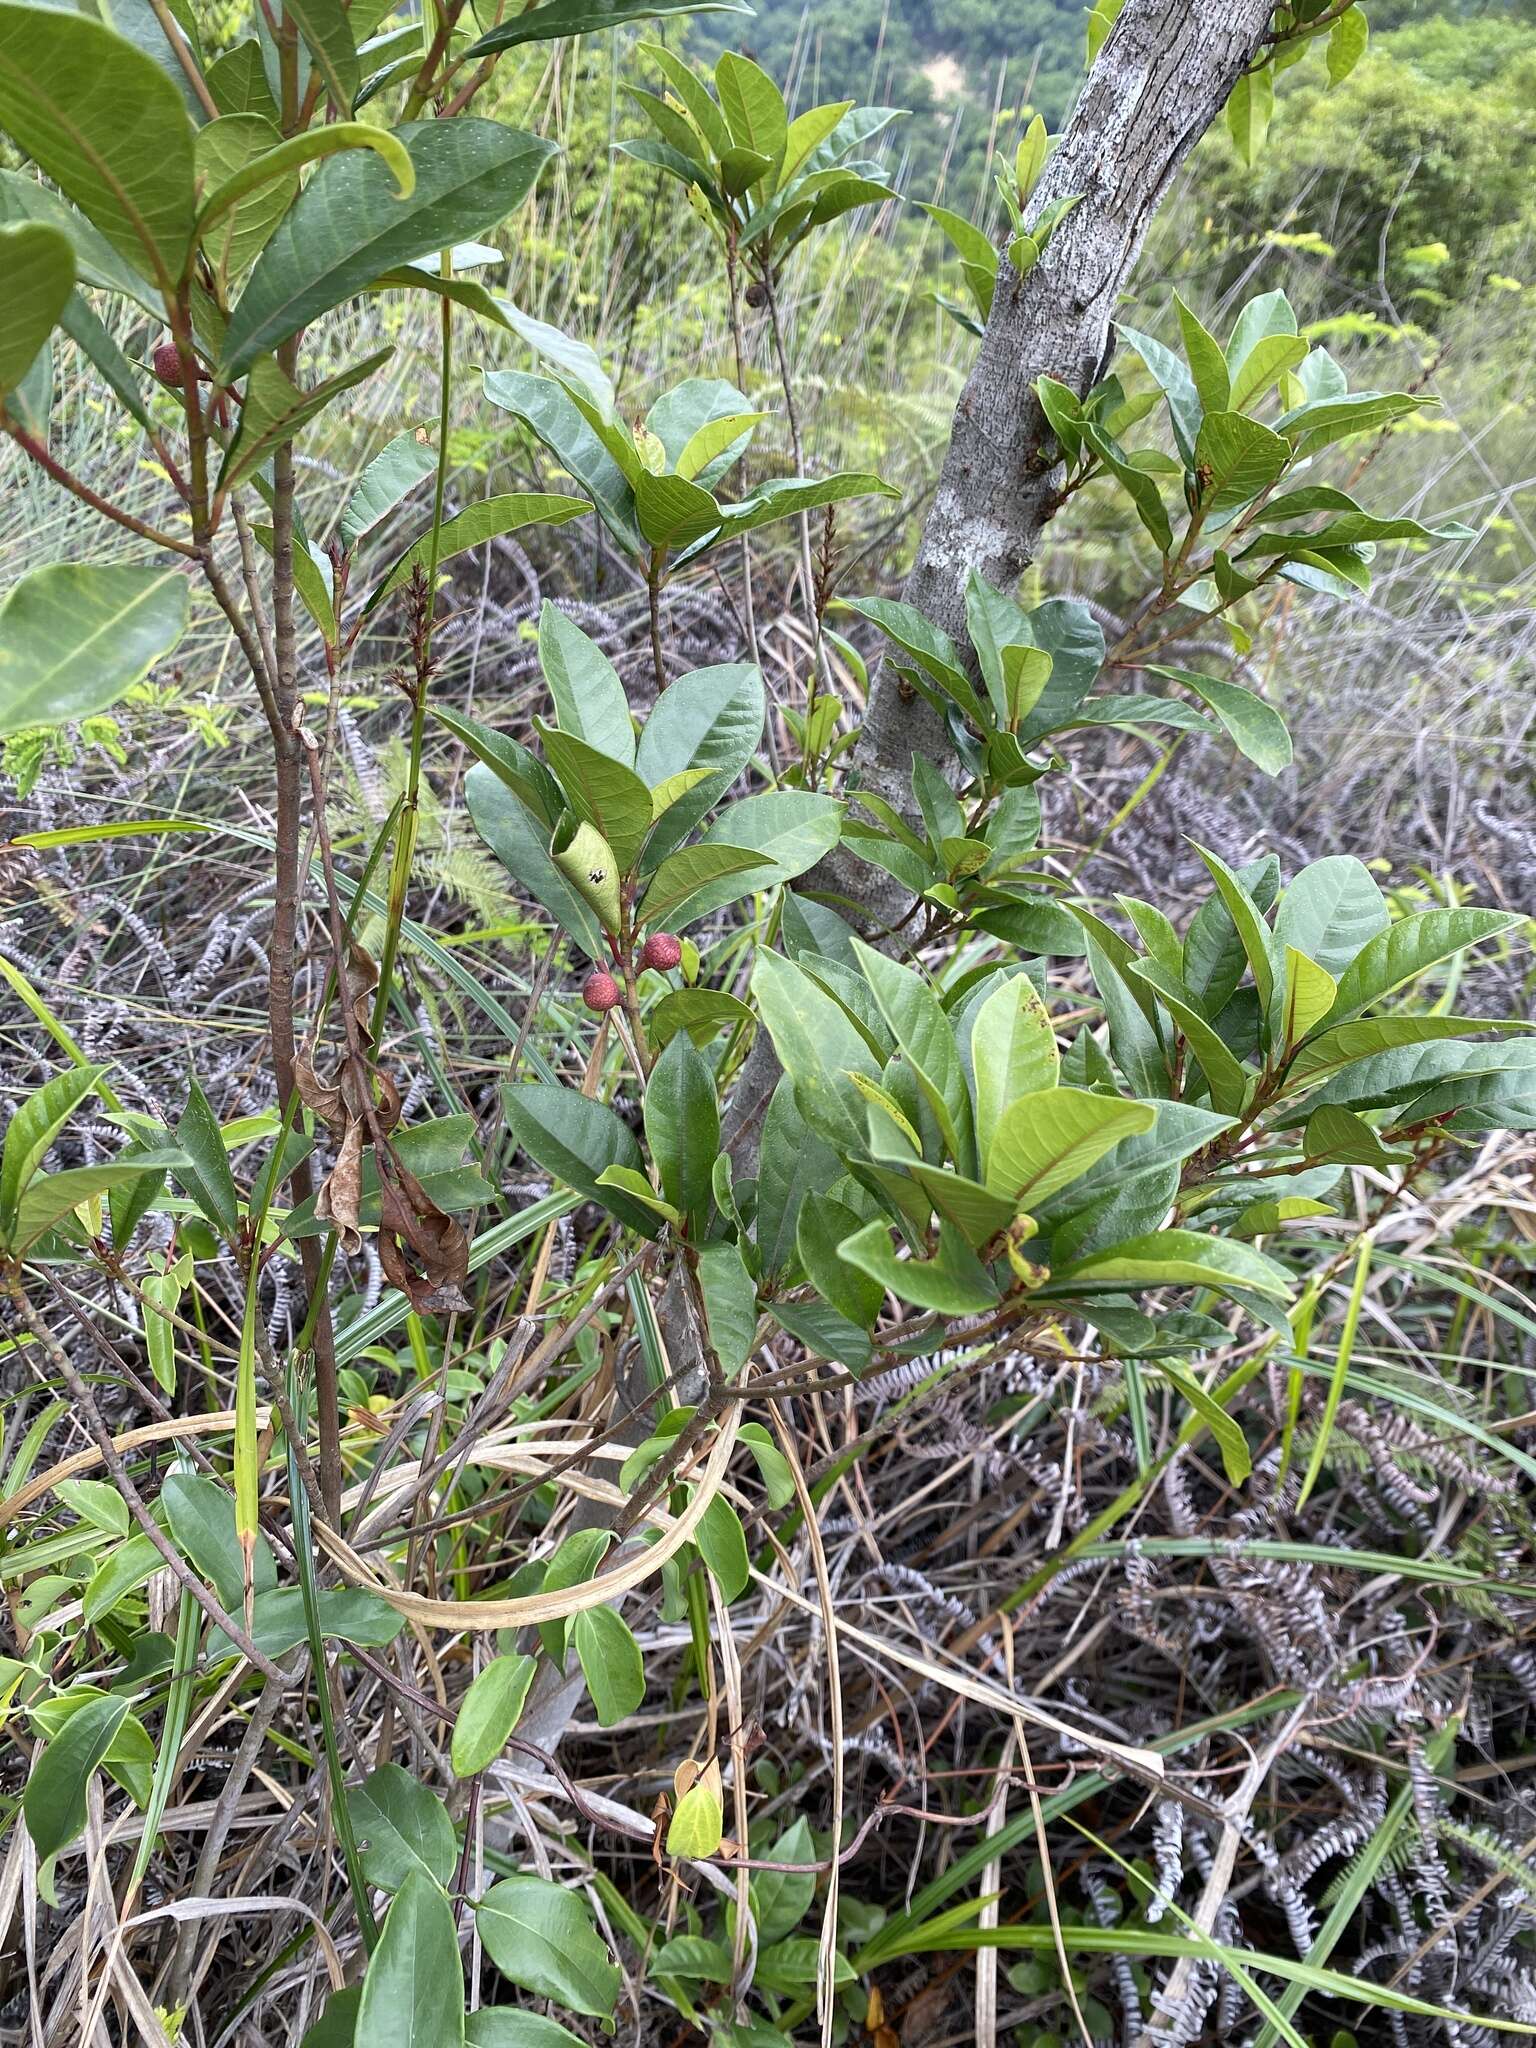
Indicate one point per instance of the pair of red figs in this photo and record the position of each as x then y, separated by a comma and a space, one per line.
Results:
662, 950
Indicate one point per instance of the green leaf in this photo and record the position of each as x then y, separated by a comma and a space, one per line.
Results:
509, 828
722, 1544
1343, 1044
124, 1569
349, 224
109, 128
506, 2026
1330, 911
730, 1305
590, 701
207, 1179
559, 18
413, 1994
402, 1829
1236, 1460
1409, 948
818, 1049
1259, 946
326, 29
1137, 483
702, 1012
1342, 1137
1236, 459
389, 478
610, 1663
789, 830
96, 262
1267, 361
824, 1226
346, 1613
1346, 44
575, 1138
682, 1124
55, 1798
53, 1196
674, 513
75, 636
782, 1898
1249, 112
230, 152
201, 1517
696, 1830
602, 791
473, 527
1050, 1137
1207, 364
276, 408
38, 265
540, 1935
1309, 995
33, 1128
1179, 1258
1225, 1074
923, 1031
753, 107
1255, 728
690, 872
1013, 1052
711, 719
783, 497
954, 1282
550, 412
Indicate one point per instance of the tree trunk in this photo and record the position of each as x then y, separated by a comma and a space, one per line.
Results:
1159, 82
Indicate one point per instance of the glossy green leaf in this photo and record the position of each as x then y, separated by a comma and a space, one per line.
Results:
730, 1306
107, 125
402, 1829
1013, 1052
276, 408
507, 2026
34, 1125
824, 1226
1256, 728
327, 30
1047, 1139
540, 1935
1308, 996
54, 1801
559, 18
682, 1124
590, 701
52, 1197
817, 1047
574, 1138
925, 1035
207, 1179
1409, 948
473, 527
38, 264
521, 843
389, 478
1235, 459
722, 1544
1249, 112
551, 413
349, 224
610, 1663
75, 636
413, 1994
953, 1282
201, 1517
1236, 1459
1179, 1258
1346, 44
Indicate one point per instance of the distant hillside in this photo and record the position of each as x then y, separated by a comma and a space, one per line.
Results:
955, 64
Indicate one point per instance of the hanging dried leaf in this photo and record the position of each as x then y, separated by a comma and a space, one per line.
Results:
341, 1191
423, 1251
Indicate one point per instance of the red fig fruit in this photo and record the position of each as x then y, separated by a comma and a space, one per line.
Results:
600, 991
662, 950
167, 362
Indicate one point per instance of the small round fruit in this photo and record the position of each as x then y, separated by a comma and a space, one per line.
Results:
662, 950
167, 361
600, 991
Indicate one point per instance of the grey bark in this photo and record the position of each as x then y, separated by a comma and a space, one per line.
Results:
1161, 79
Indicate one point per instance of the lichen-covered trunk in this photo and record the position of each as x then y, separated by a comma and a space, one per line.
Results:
1160, 80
